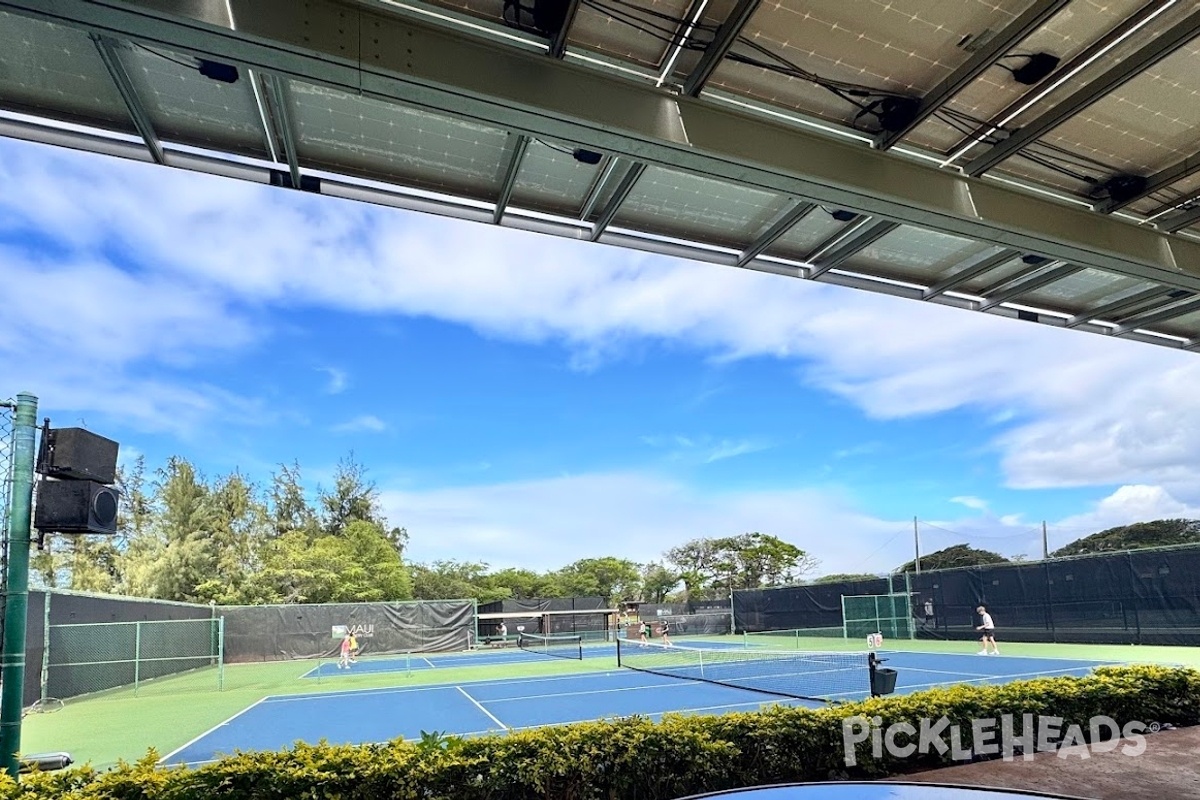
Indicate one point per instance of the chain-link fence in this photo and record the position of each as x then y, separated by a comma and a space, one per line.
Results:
159, 656
888, 614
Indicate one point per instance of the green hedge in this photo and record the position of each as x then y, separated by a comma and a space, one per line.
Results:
630, 759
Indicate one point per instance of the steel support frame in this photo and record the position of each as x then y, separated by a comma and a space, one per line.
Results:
863, 235
1156, 182
286, 131
137, 112
1018, 286
466, 77
970, 273
1133, 302
1125, 70
724, 39
510, 177
980, 61
798, 211
1170, 312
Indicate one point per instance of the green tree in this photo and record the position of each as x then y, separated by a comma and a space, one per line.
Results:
712, 567
455, 580
525, 584
181, 555
1159, 533
657, 582
849, 577
290, 509
352, 497
608, 577
959, 555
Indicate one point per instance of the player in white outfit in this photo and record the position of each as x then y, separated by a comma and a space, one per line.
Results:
989, 632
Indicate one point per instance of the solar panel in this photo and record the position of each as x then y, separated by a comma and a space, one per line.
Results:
769, 165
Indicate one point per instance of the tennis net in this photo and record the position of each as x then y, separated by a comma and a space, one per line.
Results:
825, 677
558, 646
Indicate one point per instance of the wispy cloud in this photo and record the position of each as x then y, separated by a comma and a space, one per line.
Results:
866, 449
970, 502
704, 449
363, 422
337, 379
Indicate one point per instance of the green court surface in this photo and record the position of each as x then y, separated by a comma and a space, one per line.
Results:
163, 716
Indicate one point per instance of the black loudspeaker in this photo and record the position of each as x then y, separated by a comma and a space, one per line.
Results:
79, 454
75, 507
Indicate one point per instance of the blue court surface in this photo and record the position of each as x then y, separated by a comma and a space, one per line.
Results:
418, 661
494, 706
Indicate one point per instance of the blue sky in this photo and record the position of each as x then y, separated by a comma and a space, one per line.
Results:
527, 401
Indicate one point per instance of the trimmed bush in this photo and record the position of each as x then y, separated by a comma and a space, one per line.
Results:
636, 759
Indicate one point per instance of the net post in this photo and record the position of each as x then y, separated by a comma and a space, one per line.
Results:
701, 660
908, 593
137, 655
845, 624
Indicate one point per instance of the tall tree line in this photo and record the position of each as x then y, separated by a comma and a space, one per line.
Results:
183, 536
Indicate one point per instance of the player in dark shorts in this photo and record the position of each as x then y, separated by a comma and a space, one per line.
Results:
989, 632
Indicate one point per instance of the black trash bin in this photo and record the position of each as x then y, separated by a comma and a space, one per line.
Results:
883, 681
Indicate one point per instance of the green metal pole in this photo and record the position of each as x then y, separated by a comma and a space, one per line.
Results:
20, 518
137, 655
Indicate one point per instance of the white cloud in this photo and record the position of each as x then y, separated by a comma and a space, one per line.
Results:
1125, 506
337, 380
544, 524
970, 502
363, 422
1070, 409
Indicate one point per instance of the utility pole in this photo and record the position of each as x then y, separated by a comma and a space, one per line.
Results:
12, 659
1045, 544
917, 545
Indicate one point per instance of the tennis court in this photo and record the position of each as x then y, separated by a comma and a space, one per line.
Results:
656, 680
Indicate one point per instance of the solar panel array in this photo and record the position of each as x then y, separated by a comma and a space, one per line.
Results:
1036, 159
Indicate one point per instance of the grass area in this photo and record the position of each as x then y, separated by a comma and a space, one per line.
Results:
118, 725
166, 714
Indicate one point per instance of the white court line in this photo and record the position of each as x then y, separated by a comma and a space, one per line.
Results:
285, 698
478, 705
210, 730
430, 663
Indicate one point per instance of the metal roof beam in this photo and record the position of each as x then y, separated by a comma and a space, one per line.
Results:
416, 63
777, 229
1125, 70
614, 203
980, 61
1063, 73
1043, 277
137, 112
1154, 317
510, 177
1177, 222
277, 97
724, 39
1156, 182
970, 273
558, 45
861, 237
1130, 303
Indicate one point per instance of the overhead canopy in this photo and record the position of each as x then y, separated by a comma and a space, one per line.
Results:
1036, 159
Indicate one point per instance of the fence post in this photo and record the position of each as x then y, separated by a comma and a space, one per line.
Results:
220, 653
16, 596
45, 682
137, 655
